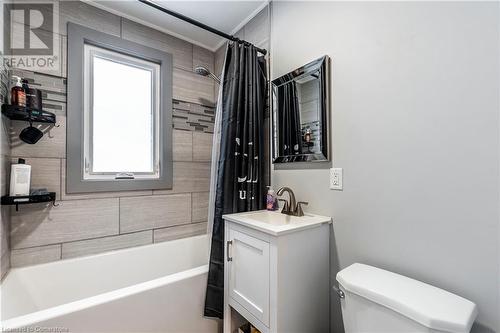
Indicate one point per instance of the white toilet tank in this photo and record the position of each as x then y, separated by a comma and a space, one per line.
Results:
379, 301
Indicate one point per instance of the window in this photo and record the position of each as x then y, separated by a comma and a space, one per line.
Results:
121, 116
121, 138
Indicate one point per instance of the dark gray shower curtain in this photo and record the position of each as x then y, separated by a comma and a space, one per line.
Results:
241, 166
290, 133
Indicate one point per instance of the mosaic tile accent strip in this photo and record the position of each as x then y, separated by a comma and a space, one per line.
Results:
53, 89
193, 117
186, 116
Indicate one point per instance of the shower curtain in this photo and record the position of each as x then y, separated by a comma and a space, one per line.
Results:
214, 166
290, 134
240, 160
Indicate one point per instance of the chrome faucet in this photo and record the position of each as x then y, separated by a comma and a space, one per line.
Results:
291, 207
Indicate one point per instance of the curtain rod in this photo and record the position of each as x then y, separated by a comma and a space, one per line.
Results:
201, 25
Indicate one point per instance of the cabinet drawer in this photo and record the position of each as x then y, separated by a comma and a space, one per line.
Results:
248, 264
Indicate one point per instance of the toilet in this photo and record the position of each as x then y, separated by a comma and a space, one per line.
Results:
378, 301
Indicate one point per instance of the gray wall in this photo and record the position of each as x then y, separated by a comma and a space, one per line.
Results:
84, 224
416, 129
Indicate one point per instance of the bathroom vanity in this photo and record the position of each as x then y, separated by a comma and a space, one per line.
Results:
277, 271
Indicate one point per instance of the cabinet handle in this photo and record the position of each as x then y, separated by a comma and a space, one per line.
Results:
228, 243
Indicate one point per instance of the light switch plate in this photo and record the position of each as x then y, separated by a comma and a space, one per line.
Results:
336, 179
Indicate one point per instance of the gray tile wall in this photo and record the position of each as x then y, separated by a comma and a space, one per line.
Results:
90, 223
4, 173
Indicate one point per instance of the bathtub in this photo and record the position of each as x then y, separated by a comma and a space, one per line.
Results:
152, 288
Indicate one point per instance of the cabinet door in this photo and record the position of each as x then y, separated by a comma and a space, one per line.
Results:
249, 274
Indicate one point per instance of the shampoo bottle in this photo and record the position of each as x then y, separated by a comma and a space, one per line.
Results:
33, 96
20, 178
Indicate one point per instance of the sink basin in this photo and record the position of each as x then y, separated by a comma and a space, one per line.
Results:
276, 223
274, 218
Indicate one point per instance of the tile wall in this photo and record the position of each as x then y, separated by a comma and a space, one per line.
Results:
90, 223
4, 167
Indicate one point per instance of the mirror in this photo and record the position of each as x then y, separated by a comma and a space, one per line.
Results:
301, 112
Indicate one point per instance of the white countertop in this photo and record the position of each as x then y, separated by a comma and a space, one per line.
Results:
275, 223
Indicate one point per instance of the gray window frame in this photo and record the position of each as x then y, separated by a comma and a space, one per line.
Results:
78, 37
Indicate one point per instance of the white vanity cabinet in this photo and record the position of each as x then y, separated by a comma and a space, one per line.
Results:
277, 272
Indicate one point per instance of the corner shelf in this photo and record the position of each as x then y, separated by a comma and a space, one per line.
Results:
15, 112
29, 199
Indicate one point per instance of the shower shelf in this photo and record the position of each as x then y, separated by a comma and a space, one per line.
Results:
15, 112
29, 199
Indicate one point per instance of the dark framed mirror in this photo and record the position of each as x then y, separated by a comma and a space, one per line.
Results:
301, 109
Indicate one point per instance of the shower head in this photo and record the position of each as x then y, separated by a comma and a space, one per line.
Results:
200, 70
203, 71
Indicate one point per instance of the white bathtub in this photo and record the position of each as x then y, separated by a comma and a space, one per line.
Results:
153, 288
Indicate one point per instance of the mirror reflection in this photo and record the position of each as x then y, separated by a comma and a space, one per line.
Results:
300, 114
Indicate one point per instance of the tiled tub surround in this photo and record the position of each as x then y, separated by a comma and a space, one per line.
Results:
4, 168
92, 223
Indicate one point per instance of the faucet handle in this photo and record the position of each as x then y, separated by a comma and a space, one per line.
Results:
298, 210
285, 209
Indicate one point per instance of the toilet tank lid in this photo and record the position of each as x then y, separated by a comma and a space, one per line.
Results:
430, 306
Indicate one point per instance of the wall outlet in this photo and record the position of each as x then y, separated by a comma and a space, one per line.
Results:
336, 179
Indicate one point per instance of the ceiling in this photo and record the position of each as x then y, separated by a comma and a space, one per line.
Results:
227, 16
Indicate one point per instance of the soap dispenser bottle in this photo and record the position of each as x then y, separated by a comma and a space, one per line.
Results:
20, 178
271, 199
17, 93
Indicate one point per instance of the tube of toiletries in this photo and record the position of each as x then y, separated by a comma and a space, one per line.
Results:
17, 93
20, 178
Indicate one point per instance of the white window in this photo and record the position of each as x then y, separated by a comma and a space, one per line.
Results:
121, 116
